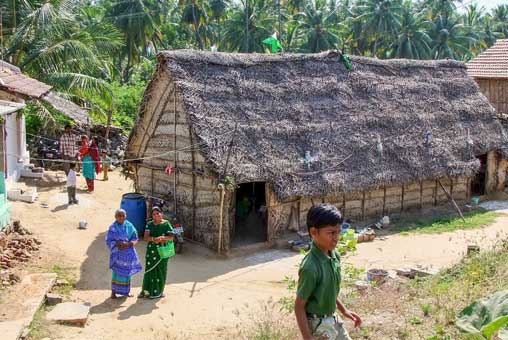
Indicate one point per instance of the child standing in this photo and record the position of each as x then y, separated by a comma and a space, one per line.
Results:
106, 162
319, 280
71, 184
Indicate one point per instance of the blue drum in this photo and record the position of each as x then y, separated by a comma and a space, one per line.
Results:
135, 206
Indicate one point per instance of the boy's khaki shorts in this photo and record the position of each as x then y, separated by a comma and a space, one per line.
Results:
328, 328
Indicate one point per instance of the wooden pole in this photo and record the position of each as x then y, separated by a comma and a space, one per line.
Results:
452, 200
363, 205
152, 182
221, 216
402, 199
193, 185
175, 152
384, 200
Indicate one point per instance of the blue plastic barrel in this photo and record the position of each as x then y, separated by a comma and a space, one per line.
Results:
135, 206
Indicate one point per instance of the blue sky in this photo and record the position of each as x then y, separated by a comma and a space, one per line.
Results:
486, 3
491, 3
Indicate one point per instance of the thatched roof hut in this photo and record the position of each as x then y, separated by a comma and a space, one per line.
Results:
308, 127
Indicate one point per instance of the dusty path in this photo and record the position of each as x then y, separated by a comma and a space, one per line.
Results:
206, 295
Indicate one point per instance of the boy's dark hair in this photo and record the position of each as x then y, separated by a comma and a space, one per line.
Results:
323, 215
67, 126
72, 165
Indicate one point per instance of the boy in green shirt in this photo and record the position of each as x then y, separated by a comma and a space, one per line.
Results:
319, 279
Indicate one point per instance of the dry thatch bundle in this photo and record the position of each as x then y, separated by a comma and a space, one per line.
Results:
360, 129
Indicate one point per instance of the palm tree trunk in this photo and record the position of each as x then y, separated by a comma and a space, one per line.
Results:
375, 48
246, 26
196, 28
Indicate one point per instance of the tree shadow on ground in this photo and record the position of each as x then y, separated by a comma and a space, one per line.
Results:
196, 264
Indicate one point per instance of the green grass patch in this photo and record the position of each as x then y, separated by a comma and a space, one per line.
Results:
453, 289
473, 219
67, 274
39, 327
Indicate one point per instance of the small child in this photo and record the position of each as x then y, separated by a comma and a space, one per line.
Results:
71, 184
319, 280
106, 163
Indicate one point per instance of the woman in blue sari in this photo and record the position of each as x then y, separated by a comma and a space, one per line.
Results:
123, 259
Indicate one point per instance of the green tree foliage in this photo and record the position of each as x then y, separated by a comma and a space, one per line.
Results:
100, 52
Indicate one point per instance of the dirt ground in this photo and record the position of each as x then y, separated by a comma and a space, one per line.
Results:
207, 296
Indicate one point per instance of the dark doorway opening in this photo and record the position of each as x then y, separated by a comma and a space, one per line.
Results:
479, 180
250, 214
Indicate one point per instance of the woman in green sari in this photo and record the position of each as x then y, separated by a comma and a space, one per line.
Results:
157, 233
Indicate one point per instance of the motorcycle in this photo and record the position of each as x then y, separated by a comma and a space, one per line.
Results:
179, 241
46, 154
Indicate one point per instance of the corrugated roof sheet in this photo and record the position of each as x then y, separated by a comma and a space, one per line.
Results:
492, 63
12, 80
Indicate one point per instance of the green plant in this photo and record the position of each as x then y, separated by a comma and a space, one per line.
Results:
287, 303
426, 309
67, 274
415, 320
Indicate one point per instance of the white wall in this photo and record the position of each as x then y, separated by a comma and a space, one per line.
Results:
15, 146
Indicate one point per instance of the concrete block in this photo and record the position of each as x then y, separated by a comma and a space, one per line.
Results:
71, 313
53, 299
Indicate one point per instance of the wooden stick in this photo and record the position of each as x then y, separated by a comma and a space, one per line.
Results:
221, 213
452, 200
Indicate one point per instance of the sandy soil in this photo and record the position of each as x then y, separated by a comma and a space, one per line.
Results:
206, 295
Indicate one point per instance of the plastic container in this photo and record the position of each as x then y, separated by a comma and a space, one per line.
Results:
476, 200
135, 206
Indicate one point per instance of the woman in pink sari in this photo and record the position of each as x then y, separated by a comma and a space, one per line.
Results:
89, 153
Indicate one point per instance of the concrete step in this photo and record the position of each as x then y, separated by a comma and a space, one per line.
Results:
19, 314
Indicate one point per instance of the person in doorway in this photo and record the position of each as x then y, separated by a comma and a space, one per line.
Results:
68, 147
71, 184
106, 163
243, 208
319, 280
123, 258
157, 233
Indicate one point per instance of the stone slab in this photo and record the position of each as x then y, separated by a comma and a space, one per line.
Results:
53, 299
34, 288
11, 330
70, 313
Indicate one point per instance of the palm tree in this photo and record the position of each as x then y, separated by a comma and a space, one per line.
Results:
55, 43
194, 14
412, 41
218, 12
137, 20
450, 39
318, 27
500, 18
435, 8
488, 35
381, 19
250, 22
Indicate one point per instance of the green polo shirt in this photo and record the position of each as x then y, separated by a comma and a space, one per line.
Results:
319, 281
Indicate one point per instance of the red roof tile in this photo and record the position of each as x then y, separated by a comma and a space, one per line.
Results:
492, 63
12, 80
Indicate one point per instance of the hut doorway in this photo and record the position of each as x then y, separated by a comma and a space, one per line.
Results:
250, 214
480, 179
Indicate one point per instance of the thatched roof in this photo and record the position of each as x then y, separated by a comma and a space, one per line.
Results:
285, 105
